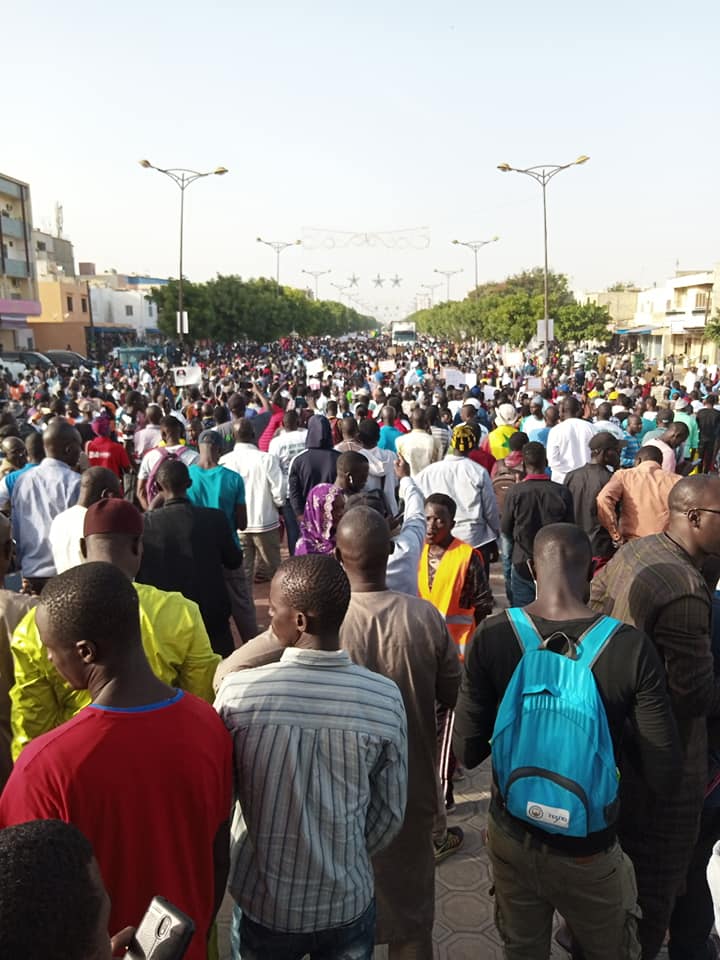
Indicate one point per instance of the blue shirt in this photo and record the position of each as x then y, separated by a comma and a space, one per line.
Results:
38, 496
539, 436
388, 436
630, 450
220, 488
11, 478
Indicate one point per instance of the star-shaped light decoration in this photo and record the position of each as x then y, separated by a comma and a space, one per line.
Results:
396, 280
378, 280
353, 280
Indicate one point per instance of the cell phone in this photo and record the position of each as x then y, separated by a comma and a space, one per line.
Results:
164, 933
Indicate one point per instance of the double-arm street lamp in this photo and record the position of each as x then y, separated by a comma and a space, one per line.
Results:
447, 274
432, 287
278, 246
183, 178
316, 274
543, 174
475, 246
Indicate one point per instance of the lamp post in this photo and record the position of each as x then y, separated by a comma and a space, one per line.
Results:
432, 287
315, 274
447, 274
342, 290
278, 246
183, 178
475, 246
543, 174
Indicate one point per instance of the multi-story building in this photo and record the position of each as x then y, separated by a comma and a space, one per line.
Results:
18, 289
54, 256
120, 306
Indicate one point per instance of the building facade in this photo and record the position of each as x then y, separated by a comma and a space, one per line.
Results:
120, 307
18, 288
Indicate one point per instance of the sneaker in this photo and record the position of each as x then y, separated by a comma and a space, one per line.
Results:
452, 842
459, 773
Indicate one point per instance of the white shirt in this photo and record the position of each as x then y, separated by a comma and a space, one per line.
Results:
287, 445
66, 531
476, 521
382, 474
607, 426
568, 447
403, 562
182, 452
419, 449
265, 486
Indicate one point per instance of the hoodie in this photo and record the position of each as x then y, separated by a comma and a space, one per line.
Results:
316, 464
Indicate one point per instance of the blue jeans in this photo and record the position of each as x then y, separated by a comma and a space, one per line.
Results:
523, 591
292, 530
352, 941
506, 548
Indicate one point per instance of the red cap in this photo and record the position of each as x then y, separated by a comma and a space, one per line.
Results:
113, 516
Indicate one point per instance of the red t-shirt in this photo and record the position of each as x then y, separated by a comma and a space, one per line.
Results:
104, 452
149, 787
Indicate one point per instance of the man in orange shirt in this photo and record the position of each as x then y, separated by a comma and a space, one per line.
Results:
642, 494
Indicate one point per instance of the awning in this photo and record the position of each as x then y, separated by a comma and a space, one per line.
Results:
636, 331
112, 329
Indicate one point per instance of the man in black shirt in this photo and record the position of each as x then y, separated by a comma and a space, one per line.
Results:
585, 484
185, 549
529, 506
587, 879
708, 420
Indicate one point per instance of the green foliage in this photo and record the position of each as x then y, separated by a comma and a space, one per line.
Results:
508, 312
229, 308
620, 286
712, 328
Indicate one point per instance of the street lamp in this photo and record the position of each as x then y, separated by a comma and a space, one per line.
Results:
476, 245
543, 174
183, 178
316, 274
342, 290
432, 287
278, 246
447, 274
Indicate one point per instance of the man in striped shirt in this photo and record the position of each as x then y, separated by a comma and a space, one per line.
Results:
321, 774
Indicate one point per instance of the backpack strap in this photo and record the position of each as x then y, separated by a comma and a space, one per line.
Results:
524, 629
596, 638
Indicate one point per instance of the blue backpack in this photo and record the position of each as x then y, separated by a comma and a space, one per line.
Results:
552, 753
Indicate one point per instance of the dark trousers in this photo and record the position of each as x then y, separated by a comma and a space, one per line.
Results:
352, 941
693, 916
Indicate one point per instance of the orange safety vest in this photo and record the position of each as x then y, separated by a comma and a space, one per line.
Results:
446, 589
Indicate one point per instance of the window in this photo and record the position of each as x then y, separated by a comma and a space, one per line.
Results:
42, 246
128, 310
83, 304
69, 303
701, 300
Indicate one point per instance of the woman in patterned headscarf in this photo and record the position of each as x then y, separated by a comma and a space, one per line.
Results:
323, 510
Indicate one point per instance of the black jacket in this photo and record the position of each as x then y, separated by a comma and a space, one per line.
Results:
316, 464
185, 549
529, 506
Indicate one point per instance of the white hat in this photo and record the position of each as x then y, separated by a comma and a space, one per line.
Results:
505, 415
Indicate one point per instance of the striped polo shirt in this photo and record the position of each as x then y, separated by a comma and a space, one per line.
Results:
321, 779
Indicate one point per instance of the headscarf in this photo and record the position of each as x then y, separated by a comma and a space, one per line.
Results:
463, 439
101, 425
317, 530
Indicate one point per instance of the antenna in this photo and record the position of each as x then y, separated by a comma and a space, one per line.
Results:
58, 220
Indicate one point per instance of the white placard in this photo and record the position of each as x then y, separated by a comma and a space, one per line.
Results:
182, 326
313, 367
534, 384
387, 366
456, 378
513, 358
187, 376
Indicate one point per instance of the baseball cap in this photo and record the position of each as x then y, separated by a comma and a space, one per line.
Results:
605, 441
212, 437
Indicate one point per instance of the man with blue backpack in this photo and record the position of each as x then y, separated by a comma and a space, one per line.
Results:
546, 691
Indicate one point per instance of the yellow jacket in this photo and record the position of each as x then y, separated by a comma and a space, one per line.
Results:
175, 641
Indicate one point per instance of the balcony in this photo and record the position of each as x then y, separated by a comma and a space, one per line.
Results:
10, 227
16, 268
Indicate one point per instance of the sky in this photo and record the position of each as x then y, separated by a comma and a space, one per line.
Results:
371, 118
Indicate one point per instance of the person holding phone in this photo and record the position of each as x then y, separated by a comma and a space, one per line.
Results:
145, 771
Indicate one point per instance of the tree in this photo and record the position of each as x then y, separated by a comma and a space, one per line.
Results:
229, 308
712, 328
582, 321
621, 286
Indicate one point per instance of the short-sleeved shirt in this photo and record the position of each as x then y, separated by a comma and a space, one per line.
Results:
183, 453
104, 452
157, 776
220, 488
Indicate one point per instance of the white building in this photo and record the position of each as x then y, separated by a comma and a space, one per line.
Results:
119, 302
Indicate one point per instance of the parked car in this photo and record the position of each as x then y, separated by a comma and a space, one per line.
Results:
31, 358
69, 359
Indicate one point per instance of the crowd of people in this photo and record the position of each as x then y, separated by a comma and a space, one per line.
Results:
154, 739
